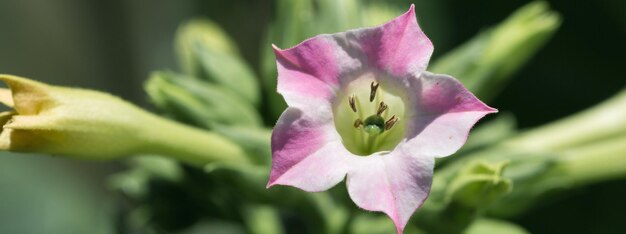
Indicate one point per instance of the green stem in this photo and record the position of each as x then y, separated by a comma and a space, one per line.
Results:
190, 145
600, 122
565, 170
596, 162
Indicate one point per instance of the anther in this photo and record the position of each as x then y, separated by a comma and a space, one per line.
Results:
373, 87
381, 108
352, 102
389, 123
358, 123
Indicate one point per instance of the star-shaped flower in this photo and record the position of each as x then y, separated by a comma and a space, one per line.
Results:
361, 104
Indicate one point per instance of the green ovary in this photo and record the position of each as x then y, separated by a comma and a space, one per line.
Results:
374, 125
368, 129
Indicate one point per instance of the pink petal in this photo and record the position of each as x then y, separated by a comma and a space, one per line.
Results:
316, 68
307, 71
306, 153
398, 47
396, 183
445, 111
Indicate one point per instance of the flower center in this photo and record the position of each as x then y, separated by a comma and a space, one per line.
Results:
368, 114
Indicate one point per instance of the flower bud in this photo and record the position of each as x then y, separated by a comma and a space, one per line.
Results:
479, 184
94, 125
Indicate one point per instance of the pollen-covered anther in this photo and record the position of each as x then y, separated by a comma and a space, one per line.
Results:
352, 102
389, 123
358, 123
373, 87
381, 108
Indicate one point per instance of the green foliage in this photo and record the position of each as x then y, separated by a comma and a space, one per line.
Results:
135, 182
484, 225
263, 219
479, 184
210, 106
459, 196
550, 160
486, 63
198, 102
206, 52
255, 140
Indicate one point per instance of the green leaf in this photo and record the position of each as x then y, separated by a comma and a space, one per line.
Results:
229, 71
134, 182
379, 12
200, 32
372, 223
198, 102
254, 140
484, 225
294, 23
338, 15
262, 219
459, 193
490, 133
205, 51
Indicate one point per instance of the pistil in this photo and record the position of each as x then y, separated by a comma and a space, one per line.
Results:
367, 128
375, 124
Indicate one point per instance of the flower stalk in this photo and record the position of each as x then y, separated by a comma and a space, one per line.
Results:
604, 121
596, 162
190, 145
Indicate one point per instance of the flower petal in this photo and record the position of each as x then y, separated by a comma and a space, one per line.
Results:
6, 97
445, 113
398, 47
307, 71
317, 67
395, 183
306, 153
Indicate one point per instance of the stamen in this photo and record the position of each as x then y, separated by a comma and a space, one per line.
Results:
358, 123
352, 102
381, 108
391, 122
373, 87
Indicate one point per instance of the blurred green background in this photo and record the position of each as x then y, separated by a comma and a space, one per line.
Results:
113, 45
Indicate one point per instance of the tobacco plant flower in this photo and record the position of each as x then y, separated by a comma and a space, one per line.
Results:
362, 105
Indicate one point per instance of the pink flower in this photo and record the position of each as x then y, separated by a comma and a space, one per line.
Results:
361, 104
